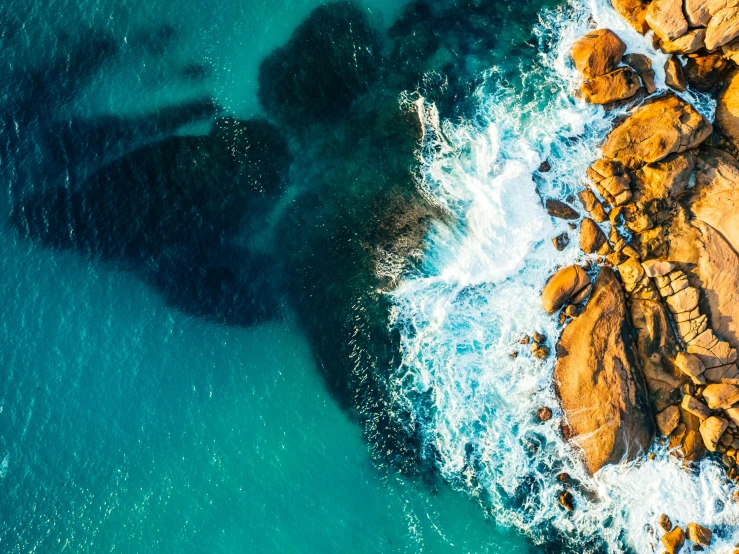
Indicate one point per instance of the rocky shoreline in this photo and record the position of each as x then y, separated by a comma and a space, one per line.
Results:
650, 349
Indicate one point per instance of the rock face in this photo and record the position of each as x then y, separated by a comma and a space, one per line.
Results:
686, 44
711, 430
703, 72
611, 87
673, 541
674, 76
722, 28
569, 284
592, 239
634, 12
699, 534
597, 53
599, 380
727, 110
655, 130
666, 19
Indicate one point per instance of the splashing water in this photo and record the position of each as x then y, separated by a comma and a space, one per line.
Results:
478, 294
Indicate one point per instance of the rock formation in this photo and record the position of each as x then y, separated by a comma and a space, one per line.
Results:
598, 379
671, 202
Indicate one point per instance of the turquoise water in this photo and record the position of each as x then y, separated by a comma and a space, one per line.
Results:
153, 432
129, 426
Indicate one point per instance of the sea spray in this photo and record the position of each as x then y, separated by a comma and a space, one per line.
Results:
461, 318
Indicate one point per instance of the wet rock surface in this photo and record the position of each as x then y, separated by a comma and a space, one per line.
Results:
599, 381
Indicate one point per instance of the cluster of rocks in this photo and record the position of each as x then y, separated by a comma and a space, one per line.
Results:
673, 538
537, 345
654, 349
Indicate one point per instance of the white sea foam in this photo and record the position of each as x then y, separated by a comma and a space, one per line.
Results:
479, 293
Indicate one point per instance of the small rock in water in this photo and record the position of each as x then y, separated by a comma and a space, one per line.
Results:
525, 339
699, 534
566, 500
557, 208
544, 414
562, 477
514, 354
665, 522
545, 167
572, 311
674, 540
542, 352
561, 241
540, 338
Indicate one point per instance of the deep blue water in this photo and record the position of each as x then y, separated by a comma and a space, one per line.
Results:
131, 419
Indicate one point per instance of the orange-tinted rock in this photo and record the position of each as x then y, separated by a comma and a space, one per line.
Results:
599, 381
634, 12
666, 19
597, 53
662, 127
614, 86
568, 284
727, 110
674, 76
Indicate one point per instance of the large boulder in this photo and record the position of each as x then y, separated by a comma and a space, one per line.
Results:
657, 129
699, 12
611, 87
686, 44
597, 53
703, 72
599, 381
666, 19
569, 284
592, 238
634, 12
715, 198
722, 28
657, 348
727, 110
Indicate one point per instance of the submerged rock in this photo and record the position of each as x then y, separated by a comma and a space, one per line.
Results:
331, 59
599, 381
170, 211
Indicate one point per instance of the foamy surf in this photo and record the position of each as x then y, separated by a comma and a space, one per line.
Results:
479, 294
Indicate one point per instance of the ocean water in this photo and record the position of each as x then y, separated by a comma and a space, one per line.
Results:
129, 423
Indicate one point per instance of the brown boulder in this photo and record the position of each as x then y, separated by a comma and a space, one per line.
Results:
634, 12
722, 28
703, 72
691, 366
638, 62
597, 53
557, 208
666, 19
674, 76
715, 197
668, 420
592, 238
611, 87
592, 205
599, 381
568, 284
656, 346
727, 110
694, 406
662, 127
699, 534
686, 44
719, 396
673, 540
699, 12
665, 522
711, 430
